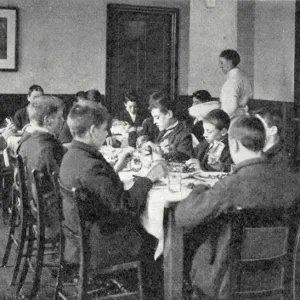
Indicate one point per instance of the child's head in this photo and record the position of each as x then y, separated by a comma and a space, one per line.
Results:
215, 124
80, 96
94, 96
246, 138
157, 95
201, 96
34, 91
130, 101
272, 121
162, 112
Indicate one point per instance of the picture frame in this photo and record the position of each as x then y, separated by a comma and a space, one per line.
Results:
8, 38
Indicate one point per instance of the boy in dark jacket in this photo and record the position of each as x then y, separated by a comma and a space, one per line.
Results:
274, 147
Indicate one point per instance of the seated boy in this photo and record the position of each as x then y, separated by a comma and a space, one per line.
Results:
213, 153
202, 105
21, 117
42, 151
112, 211
253, 183
174, 139
274, 146
131, 114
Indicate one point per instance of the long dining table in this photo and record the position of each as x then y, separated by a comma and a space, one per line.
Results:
158, 220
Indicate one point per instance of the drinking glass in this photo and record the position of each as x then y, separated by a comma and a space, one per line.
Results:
174, 181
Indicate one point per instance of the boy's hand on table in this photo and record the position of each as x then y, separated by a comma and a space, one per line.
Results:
193, 163
123, 159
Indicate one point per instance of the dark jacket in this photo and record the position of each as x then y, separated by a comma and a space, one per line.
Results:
43, 152
196, 129
180, 143
125, 116
253, 184
149, 129
278, 155
21, 118
107, 206
65, 135
84, 167
201, 153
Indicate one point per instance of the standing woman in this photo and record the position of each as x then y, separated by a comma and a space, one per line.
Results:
236, 90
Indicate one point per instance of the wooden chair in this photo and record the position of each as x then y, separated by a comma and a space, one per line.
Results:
6, 184
19, 216
38, 246
264, 243
72, 197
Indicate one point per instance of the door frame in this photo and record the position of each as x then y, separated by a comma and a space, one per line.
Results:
174, 13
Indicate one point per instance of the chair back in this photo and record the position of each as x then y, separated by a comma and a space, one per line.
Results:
56, 188
263, 241
75, 226
39, 207
19, 188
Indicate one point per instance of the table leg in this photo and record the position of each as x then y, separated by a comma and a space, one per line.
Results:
173, 259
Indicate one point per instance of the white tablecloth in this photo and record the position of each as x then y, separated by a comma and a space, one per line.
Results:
158, 198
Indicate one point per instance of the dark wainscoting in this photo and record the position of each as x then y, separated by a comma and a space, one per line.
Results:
10, 103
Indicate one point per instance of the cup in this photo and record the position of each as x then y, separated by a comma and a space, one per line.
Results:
174, 181
136, 162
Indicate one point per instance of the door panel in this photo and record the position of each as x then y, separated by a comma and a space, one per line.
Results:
141, 53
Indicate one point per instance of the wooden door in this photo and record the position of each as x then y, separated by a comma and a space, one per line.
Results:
141, 52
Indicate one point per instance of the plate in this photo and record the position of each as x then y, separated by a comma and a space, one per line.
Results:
211, 175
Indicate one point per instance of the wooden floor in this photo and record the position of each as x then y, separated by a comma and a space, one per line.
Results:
7, 292
46, 292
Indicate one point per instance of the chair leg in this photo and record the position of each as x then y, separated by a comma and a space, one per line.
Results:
27, 255
140, 285
11, 233
58, 285
40, 250
20, 248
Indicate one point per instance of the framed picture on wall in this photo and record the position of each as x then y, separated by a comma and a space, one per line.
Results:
8, 38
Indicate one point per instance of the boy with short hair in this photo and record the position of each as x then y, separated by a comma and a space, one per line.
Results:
274, 146
174, 139
21, 117
203, 103
213, 153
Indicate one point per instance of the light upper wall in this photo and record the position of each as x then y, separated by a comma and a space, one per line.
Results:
263, 31
63, 44
274, 50
211, 31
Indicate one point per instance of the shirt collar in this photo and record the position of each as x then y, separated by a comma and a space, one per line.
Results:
131, 115
223, 141
40, 129
274, 149
172, 126
84, 146
250, 162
